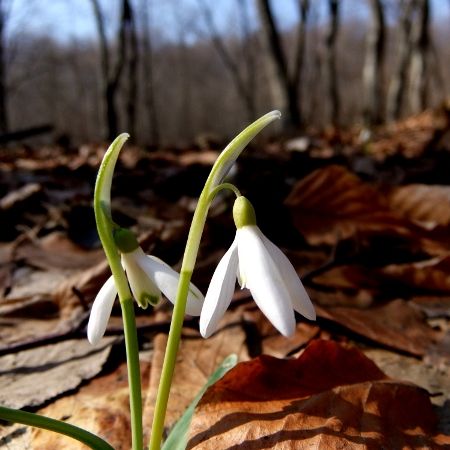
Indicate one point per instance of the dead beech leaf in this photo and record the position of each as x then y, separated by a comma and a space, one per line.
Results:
56, 251
427, 205
262, 337
395, 324
102, 407
330, 397
431, 275
332, 203
197, 359
32, 377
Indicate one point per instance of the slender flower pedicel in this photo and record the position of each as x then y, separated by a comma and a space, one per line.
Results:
260, 266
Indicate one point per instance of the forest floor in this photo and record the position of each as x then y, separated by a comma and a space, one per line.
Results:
367, 226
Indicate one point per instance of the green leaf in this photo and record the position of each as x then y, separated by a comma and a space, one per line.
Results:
58, 426
177, 439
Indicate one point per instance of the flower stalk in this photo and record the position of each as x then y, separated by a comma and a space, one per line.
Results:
105, 227
215, 178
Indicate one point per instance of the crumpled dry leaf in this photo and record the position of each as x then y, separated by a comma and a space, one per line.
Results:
32, 377
330, 397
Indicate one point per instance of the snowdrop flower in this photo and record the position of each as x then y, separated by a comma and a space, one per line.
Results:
148, 277
260, 266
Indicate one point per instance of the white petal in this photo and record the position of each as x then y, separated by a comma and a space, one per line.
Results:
264, 280
220, 291
141, 283
101, 310
167, 281
299, 297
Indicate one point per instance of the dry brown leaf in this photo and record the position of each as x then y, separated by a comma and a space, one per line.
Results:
57, 251
332, 204
427, 205
197, 360
330, 397
431, 275
262, 337
101, 407
395, 324
32, 377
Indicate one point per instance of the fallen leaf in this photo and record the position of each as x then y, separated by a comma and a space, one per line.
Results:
102, 407
394, 324
427, 205
197, 359
332, 204
32, 377
330, 397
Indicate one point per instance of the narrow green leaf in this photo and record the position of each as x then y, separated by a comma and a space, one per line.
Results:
36, 420
177, 439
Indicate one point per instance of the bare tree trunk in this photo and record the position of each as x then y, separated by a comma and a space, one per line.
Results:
330, 65
373, 66
297, 76
149, 93
419, 57
244, 89
285, 89
132, 47
3, 91
111, 78
399, 79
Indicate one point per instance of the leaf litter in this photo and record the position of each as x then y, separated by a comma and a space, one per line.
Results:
373, 250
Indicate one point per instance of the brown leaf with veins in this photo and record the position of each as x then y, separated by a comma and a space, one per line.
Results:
332, 204
427, 205
197, 359
330, 397
395, 324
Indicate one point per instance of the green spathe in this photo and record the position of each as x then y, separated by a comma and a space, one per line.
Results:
243, 212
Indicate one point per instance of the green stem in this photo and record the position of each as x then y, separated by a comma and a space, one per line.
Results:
212, 186
134, 371
35, 420
102, 209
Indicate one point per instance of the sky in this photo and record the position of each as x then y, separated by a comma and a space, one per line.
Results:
72, 20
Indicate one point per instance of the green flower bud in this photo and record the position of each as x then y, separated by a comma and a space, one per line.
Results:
243, 212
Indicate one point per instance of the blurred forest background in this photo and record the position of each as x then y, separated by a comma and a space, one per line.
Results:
169, 71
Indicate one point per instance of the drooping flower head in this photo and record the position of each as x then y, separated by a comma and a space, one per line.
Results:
260, 266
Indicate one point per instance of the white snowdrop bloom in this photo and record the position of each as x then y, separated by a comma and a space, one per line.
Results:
148, 277
261, 267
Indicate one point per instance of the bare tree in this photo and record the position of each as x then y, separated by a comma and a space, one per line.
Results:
373, 66
419, 57
397, 87
147, 66
330, 61
132, 66
111, 75
285, 84
3, 90
244, 82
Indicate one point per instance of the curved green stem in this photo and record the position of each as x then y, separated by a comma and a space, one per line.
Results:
35, 420
221, 187
212, 185
102, 209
